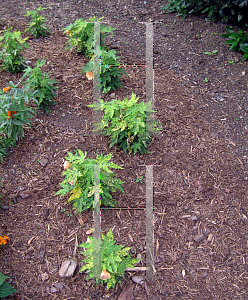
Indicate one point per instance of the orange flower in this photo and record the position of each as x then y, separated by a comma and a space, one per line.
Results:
4, 240
7, 88
9, 114
90, 75
67, 164
67, 31
105, 275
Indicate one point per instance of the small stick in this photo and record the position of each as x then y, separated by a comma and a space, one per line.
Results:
135, 269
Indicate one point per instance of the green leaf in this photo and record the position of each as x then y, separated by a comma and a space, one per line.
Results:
5, 288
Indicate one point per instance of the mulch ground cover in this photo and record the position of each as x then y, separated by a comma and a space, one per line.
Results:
199, 158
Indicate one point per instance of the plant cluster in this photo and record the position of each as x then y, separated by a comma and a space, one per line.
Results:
125, 123
223, 10
110, 71
79, 180
237, 41
42, 86
12, 45
36, 27
114, 259
81, 35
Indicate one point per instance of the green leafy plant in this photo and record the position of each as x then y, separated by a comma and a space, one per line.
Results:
211, 53
79, 180
237, 41
5, 143
125, 123
12, 46
114, 260
36, 27
110, 72
41, 84
5, 288
139, 179
81, 35
205, 80
223, 10
14, 111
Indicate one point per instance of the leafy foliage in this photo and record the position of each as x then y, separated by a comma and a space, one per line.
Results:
5, 288
36, 26
114, 259
79, 180
237, 41
223, 10
14, 112
110, 70
81, 34
42, 85
12, 46
125, 123
5, 143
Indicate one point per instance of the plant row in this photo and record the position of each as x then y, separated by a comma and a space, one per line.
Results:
123, 121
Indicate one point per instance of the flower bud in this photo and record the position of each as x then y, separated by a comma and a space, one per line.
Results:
67, 165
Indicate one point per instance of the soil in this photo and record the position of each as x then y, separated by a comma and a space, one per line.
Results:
200, 160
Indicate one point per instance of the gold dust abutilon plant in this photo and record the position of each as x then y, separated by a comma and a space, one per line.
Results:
124, 121
79, 180
81, 35
114, 260
110, 72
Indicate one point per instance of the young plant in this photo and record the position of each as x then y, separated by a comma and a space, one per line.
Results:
237, 41
13, 111
12, 46
81, 35
139, 179
36, 27
114, 260
79, 180
211, 53
125, 123
5, 288
42, 85
110, 72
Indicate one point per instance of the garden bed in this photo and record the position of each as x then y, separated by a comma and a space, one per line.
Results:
200, 172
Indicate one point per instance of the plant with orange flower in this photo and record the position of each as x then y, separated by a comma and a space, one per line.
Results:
15, 112
110, 72
114, 259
